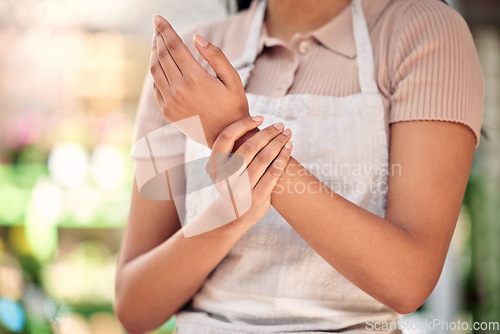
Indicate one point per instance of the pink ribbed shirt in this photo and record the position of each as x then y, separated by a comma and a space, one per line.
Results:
426, 64
426, 68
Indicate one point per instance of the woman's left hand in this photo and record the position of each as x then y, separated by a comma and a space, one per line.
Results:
183, 88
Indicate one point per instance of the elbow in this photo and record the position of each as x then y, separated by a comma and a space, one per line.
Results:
125, 308
122, 309
409, 291
406, 307
129, 315
126, 317
134, 317
411, 300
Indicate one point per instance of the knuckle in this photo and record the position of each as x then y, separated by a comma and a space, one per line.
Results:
193, 77
179, 91
154, 69
249, 146
173, 44
263, 158
165, 113
225, 136
168, 97
163, 54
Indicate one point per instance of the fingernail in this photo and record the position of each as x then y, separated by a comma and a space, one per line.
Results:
289, 145
258, 118
287, 132
200, 40
156, 20
279, 126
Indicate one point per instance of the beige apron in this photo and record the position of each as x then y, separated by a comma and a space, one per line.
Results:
272, 280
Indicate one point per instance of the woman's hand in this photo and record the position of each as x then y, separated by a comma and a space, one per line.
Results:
183, 88
265, 154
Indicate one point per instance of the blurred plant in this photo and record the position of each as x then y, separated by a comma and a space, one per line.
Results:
483, 193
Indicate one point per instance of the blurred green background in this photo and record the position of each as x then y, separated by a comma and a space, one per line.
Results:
70, 79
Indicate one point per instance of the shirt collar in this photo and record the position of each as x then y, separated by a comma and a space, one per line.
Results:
267, 41
337, 34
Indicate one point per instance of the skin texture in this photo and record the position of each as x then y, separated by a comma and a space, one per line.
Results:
397, 259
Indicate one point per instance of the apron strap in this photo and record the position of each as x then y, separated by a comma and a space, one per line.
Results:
364, 49
245, 64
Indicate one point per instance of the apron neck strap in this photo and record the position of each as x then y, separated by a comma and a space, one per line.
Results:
364, 52
245, 64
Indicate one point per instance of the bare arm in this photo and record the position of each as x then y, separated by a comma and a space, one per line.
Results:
397, 260
159, 270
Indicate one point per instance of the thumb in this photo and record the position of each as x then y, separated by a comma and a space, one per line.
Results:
218, 61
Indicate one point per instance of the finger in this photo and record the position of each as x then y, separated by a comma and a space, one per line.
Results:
268, 181
226, 139
218, 61
249, 149
158, 96
223, 146
177, 49
167, 63
265, 157
157, 71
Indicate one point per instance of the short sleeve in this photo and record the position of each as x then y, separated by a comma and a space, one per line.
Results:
436, 74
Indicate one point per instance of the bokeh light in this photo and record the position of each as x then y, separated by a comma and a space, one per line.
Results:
107, 166
68, 164
82, 204
45, 208
11, 284
11, 315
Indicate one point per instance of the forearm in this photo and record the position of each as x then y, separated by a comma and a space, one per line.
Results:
370, 251
155, 285
380, 257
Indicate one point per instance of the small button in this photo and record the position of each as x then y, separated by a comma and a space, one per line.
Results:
289, 66
303, 47
284, 85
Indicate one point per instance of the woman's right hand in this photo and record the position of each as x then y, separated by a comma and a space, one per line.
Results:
266, 155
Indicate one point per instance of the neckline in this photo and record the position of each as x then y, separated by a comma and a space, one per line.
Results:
360, 35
